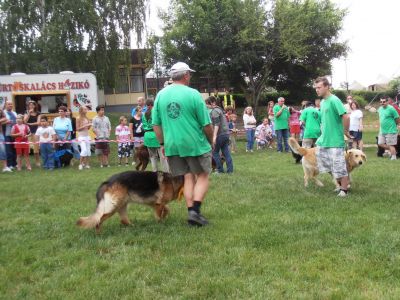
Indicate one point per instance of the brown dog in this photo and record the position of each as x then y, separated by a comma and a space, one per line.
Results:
141, 157
354, 158
155, 189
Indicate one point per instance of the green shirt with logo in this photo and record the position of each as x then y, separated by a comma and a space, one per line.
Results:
332, 132
281, 122
182, 114
312, 119
387, 120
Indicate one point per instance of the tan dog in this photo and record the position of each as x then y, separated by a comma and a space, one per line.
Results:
354, 158
155, 189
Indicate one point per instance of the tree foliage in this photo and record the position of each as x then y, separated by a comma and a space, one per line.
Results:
256, 44
47, 36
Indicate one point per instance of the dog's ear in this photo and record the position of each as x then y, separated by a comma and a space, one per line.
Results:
364, 157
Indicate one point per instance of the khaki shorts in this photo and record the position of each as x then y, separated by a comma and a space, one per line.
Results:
388, 139
35, 146
191, 164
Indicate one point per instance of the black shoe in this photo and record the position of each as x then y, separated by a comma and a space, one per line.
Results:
196, 219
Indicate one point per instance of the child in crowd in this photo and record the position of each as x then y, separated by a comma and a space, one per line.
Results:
102, 129
122, 133
83, 125
263, 135
20, 132
46, 135
233, 131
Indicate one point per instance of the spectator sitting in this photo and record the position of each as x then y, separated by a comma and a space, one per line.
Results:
263, 135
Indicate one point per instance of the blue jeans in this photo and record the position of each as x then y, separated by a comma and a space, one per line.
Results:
250, 138
222, 144
11, 155
282, 134
47, 154
3, 153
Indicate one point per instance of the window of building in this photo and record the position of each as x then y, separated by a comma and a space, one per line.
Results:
121, 86
136, 80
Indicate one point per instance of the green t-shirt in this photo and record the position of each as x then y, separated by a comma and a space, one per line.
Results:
332, 133
281, 122
182, 114
387, 120
150, 139
312, 119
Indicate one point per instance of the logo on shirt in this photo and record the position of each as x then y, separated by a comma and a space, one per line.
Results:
173, 110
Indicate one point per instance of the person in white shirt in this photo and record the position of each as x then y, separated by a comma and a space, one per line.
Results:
356, 125
249, 122
46, 136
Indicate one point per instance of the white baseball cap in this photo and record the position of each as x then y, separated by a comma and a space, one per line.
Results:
180, 67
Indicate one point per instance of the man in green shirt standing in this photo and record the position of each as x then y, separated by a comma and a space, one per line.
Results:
330, 145
281, 124
183, 128
388, 121
311, 119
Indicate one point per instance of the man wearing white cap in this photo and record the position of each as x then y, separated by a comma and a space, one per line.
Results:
183, 128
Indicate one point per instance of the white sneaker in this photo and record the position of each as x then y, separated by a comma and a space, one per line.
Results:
7, 169
393, 157
80, 167
342, 194
87, 167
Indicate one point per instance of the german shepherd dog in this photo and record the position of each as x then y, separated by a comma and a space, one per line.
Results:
155, 189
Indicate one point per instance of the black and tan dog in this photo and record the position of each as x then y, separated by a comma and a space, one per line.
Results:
155, 189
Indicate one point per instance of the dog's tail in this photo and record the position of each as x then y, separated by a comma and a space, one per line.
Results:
94, 219
294, 145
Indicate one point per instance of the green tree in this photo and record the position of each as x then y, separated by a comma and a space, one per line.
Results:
47, 36
256, 44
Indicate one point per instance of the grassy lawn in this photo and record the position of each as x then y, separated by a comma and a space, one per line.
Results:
269, 237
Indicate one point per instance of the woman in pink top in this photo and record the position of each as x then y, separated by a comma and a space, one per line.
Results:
294, 123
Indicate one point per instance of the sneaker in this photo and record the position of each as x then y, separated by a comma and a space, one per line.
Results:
101, 166
196, 219
251, 150
7, 169
133, 163
80, 167
393, 157
342, 193
108, 166
87, 167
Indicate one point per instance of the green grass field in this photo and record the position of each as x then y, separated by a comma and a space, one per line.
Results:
269, 237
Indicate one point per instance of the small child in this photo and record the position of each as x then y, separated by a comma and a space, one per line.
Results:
233, 131
46, 134
122, 133
20, 132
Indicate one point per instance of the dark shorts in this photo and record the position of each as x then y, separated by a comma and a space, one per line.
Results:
102, 148
357, 135
191, 164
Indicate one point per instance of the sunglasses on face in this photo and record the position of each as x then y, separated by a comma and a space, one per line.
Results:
383, 102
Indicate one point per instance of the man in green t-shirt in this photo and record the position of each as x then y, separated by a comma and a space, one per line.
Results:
388, 121
281, 124
330, 145
311, 119
183, 128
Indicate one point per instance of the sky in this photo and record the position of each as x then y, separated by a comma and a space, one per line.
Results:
371, 29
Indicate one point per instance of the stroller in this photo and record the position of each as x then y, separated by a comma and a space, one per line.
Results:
62, 156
